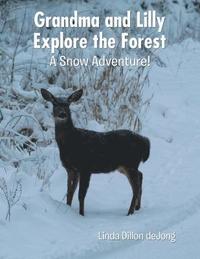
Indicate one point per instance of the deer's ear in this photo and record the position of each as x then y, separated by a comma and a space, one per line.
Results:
47, 95
75, 96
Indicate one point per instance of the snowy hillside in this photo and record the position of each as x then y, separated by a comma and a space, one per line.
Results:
42, 226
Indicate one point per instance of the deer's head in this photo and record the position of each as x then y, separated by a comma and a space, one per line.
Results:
61, 110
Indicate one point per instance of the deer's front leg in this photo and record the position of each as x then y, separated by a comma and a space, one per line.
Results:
72, 182
83, 186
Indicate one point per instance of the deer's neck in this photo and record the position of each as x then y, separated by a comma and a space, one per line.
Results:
63, 131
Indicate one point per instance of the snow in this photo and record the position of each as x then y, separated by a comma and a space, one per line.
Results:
42, 226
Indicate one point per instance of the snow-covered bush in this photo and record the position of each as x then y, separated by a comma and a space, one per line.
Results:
11, 195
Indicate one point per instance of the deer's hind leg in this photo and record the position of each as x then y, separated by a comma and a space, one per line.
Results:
134, 182
133, 178
138, 203
72, 182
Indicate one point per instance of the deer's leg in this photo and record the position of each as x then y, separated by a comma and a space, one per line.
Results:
134, 182
83, 186
138, 203
72, 182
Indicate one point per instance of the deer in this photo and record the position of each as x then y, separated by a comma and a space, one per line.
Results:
84, 152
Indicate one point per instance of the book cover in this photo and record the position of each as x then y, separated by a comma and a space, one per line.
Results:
99, 129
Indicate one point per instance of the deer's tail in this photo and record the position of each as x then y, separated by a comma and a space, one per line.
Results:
146, 149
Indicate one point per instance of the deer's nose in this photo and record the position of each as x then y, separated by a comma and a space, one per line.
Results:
62, 115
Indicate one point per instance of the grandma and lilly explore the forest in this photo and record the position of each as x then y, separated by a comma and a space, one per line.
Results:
147, 19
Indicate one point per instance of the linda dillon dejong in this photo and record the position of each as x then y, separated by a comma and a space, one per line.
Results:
130, 235
99, 61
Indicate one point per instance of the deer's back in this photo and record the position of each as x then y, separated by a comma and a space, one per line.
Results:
99, 152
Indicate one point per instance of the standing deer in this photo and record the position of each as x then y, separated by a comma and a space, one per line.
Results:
85, 152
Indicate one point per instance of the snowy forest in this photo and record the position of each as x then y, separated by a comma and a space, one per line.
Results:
160, 101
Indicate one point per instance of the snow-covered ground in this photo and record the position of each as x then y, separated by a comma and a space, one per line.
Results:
43, 227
